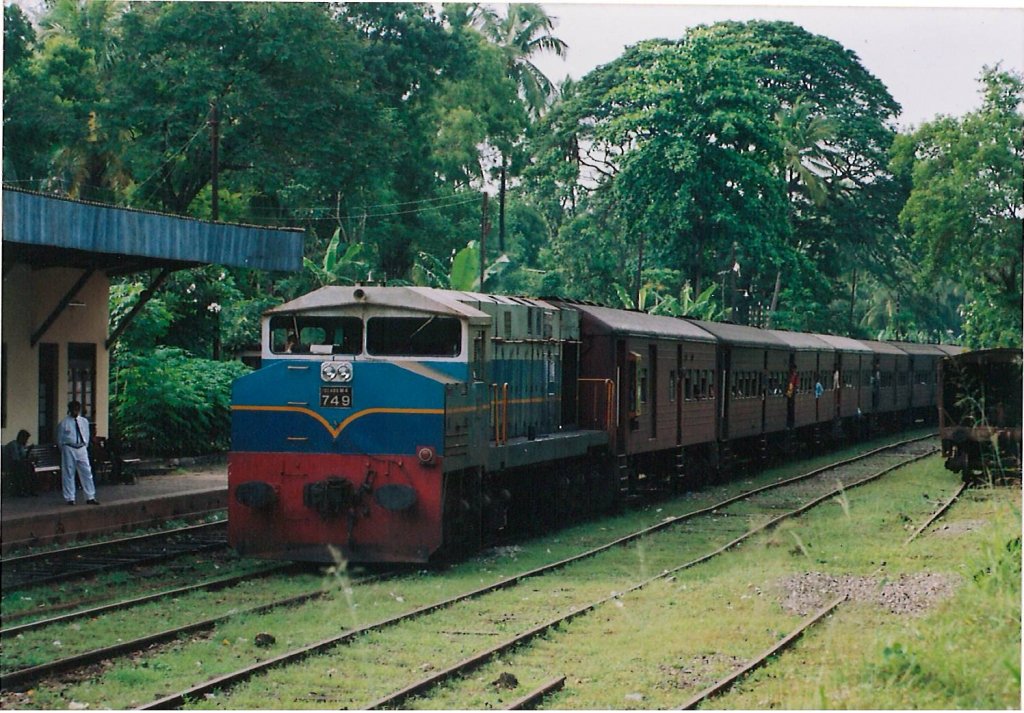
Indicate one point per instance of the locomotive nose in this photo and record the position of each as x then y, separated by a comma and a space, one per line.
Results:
256, 494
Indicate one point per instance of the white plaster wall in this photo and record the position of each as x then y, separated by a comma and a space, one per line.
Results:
28, 299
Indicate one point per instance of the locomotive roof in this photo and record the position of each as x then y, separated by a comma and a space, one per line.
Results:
415, 299
642, 323
844, 344
801, 341
738, 334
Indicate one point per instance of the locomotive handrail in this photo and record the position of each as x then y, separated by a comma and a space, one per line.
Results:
499, 412
504, 413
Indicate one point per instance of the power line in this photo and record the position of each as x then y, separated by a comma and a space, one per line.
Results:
463, 201
173, 155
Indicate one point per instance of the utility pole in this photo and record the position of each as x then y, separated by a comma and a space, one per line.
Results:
501, 207
215, 168
485, 227
639, 268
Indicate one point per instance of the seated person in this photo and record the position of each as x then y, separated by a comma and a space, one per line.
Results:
18, 466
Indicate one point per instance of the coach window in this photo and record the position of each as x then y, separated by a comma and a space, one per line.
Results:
290, 334
427, 336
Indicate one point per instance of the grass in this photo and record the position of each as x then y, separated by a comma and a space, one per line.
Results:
964, 654
657, 648
647, 651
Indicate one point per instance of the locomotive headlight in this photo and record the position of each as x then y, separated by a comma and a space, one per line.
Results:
336, 371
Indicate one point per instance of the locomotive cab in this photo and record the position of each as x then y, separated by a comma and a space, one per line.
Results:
340, 441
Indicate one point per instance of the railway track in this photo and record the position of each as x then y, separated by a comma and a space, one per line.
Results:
851, 479
87, 560
726, 683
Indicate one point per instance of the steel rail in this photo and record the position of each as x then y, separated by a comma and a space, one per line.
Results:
71, 563
530, 699
223, 682
20, 676
396, 699
75, 549
727, 682
17, 679
212, 585
937, 514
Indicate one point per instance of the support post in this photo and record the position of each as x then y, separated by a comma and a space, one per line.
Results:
61, 306
145, 297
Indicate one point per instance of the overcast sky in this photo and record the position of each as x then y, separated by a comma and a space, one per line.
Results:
929, 57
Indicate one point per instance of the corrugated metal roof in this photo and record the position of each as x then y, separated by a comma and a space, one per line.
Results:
54, 227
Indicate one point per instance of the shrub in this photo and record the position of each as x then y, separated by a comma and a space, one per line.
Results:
169, 403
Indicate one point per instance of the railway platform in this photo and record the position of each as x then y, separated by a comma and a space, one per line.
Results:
187, 492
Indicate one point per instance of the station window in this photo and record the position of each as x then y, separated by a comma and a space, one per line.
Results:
414, 336
291, 334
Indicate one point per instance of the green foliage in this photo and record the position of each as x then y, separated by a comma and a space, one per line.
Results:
168, 403
652, 298
462, 272
965, 207
757, 144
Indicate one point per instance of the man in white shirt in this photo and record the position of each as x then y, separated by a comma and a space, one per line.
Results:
73, 439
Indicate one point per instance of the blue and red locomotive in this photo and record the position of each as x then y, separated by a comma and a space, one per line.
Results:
401, 424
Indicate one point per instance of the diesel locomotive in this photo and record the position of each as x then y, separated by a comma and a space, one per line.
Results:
980, 413
404, 424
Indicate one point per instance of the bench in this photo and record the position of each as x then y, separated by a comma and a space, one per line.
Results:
46, 464
110, 464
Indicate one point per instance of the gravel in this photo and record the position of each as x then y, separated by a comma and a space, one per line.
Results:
908, 595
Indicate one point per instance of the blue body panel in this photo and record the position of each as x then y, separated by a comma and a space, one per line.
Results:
394, 410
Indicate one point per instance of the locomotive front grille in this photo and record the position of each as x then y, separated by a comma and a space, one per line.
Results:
331, 497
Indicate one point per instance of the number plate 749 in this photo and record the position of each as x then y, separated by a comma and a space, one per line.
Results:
336, 396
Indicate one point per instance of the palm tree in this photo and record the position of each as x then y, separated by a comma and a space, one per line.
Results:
805, 166
86, 166
524, 32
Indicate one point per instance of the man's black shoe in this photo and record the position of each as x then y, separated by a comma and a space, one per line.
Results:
92, 501
71, 502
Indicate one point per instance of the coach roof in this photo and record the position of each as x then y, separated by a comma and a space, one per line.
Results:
801, 342
739, 335
642, 324
844, 344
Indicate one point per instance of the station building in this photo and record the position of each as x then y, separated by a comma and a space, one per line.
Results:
59, 256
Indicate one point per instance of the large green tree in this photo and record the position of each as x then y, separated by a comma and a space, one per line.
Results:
965, 211
732, 154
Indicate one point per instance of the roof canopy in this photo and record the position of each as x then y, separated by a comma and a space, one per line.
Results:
48, 231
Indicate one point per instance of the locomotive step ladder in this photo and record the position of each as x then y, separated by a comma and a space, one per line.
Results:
622, 466
679, 476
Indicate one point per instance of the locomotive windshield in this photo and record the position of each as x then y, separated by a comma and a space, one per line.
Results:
291, 334
414, 336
